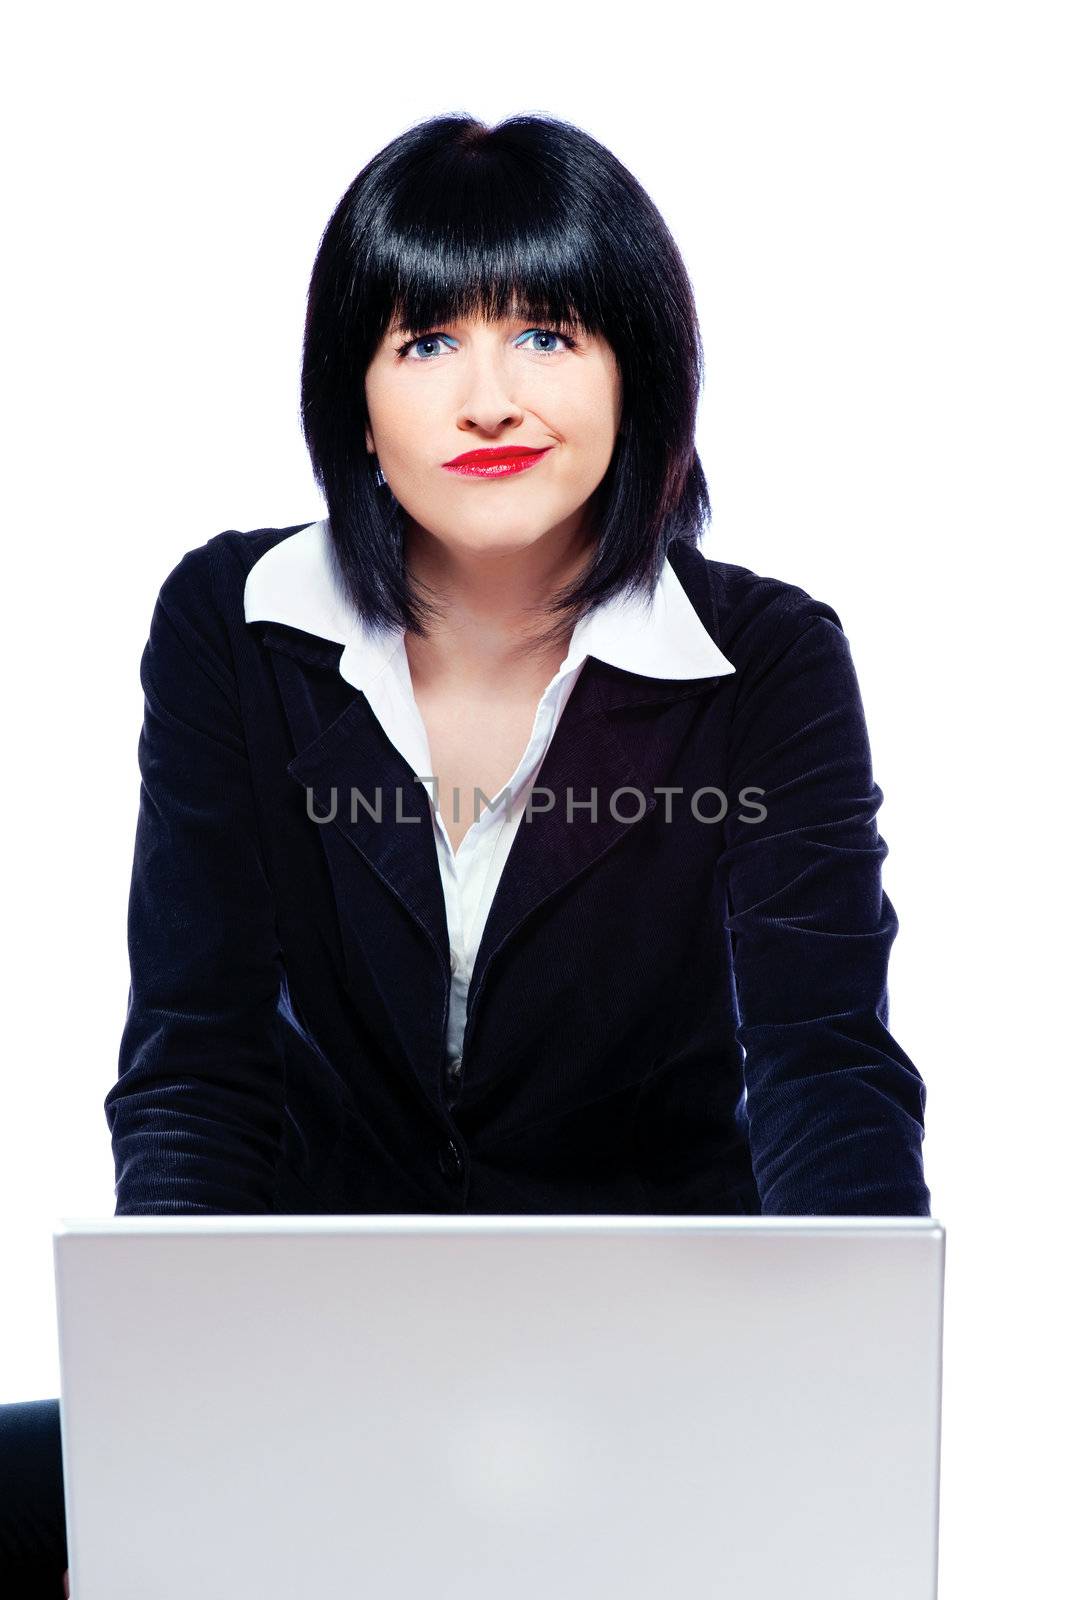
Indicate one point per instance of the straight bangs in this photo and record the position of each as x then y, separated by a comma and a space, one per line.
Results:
531, 219
491, 260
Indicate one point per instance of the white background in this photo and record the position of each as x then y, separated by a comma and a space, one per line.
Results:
869, 201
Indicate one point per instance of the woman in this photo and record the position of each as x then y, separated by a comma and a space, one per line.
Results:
498, 851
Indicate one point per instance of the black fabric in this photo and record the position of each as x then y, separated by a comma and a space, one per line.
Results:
667, 1015
33, 1536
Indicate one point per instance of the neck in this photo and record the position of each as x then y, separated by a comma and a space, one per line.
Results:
491, 606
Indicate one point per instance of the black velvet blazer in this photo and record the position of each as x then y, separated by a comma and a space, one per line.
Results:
683, 1013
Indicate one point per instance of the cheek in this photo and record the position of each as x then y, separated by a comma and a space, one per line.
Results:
594, 413
398, 423
593, 435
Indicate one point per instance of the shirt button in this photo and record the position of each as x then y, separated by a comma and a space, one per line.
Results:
450, 1161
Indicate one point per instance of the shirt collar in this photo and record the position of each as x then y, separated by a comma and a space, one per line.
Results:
296, 582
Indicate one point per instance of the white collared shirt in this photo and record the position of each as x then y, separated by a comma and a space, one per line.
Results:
295, 582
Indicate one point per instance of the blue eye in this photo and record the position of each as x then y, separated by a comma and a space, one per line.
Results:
443, 338
423, 339
546, 333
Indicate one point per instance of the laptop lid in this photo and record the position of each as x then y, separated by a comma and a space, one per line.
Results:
501, 1407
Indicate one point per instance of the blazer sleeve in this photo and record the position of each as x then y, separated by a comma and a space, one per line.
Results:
835, 1106
195, 1115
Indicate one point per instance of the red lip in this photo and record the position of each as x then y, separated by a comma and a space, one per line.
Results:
492, 458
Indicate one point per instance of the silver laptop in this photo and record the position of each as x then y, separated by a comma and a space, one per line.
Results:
501, 1407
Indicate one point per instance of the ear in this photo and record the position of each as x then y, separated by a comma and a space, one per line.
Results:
369, 440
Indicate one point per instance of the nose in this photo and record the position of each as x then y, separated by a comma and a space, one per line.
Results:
488, 402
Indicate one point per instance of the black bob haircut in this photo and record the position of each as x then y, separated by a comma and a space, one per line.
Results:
455, 219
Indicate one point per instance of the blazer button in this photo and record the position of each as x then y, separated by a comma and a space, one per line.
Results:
450, 1161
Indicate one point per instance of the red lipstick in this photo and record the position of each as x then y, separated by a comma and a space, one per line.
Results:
497, 463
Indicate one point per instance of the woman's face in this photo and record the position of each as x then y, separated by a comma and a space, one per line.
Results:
486, 385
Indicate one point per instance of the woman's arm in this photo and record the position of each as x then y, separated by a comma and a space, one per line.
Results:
835, 1106
195, 1115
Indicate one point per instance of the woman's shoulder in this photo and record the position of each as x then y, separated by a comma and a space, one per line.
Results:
221, 564
203, 592
756, 614
199, 613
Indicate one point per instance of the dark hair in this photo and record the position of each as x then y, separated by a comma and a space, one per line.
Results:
452, 219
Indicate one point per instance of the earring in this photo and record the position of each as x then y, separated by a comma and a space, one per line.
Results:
379, 476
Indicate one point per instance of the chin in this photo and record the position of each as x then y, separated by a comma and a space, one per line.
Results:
498, 537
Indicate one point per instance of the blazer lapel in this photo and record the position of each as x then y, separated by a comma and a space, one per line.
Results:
354, 775
597, 753
598, 749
